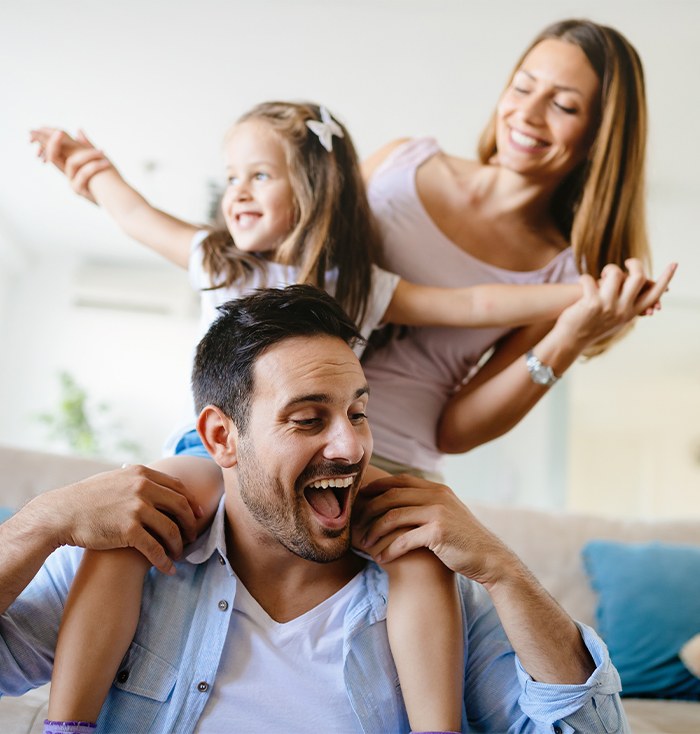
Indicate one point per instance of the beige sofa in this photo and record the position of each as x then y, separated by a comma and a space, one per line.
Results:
550, 543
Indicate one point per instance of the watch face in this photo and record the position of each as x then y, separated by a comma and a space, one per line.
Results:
542, 375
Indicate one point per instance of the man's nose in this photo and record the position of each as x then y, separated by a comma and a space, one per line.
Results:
345, 443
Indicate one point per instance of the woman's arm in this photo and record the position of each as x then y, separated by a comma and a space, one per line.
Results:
479, 306
502, 392
92, 175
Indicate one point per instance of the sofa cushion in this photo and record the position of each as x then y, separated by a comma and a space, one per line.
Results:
648, 607
550, 543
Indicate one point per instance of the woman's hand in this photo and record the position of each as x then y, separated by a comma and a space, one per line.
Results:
402, 513
77, 157
612, 302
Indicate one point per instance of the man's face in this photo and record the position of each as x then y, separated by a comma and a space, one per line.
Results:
306, 446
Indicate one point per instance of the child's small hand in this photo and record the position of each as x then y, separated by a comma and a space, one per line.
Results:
54, 145
77, 157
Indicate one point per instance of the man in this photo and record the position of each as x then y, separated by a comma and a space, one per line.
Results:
283, 412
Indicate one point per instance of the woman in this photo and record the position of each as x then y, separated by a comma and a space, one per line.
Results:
558, 189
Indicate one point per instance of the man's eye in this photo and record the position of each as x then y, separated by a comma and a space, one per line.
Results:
359, 417
305, 422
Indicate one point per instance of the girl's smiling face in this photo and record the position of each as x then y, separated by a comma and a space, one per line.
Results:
548, 115
258, 204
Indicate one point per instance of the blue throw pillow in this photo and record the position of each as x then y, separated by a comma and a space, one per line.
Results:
5, 512
648, 608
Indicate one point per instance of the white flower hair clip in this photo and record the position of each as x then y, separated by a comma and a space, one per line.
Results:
325, 129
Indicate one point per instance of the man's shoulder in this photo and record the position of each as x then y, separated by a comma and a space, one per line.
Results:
63, 562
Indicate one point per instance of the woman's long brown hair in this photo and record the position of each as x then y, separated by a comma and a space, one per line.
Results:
600, 207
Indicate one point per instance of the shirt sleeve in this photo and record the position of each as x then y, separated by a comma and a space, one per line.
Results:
501, 697
29, 627
593, 706
199, 278
382, 291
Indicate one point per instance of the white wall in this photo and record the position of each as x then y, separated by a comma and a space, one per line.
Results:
135, 361
527, 466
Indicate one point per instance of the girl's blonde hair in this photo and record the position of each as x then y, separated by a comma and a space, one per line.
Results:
600, 206
333, 225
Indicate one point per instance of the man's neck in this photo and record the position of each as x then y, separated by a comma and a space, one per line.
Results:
285, 585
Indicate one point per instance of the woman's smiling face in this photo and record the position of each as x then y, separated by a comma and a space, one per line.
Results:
547, 117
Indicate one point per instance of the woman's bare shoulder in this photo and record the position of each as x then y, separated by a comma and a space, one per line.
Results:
370, 164
445, 170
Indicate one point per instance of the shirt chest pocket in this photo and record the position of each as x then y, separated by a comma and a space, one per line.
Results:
141, 687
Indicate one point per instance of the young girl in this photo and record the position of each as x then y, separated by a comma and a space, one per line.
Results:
295, 211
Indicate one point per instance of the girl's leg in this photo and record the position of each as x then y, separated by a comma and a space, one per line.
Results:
103, 606
424, 623
98, 624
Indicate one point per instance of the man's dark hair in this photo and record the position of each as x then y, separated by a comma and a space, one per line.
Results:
223, 366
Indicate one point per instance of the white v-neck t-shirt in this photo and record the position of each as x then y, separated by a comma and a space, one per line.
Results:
283, 677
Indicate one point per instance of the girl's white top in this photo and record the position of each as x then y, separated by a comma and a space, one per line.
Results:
278, 276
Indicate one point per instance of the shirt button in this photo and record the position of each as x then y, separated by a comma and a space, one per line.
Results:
223, 605
203, 687
123, 676
221, 560
557, 729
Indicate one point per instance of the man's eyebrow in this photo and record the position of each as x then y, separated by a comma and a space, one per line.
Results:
321, 397
559, 87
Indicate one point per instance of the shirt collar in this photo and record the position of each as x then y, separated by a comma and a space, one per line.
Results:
211, 540
214, 540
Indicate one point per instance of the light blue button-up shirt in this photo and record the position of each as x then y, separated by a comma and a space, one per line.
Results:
167, 675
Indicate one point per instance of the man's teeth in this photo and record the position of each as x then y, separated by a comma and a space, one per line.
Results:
525, 140
325, 483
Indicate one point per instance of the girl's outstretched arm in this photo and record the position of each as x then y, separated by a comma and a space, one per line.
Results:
495, 305
103, 607
92, 175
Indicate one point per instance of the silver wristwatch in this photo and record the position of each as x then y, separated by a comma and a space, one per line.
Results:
541, 374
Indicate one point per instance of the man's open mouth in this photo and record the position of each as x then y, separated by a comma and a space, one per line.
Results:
329, 497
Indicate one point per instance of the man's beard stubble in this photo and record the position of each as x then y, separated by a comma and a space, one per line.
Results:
282, 517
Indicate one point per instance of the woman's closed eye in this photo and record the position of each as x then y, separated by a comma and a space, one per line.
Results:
565, 108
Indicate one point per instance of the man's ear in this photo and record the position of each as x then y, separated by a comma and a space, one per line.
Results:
219, 436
